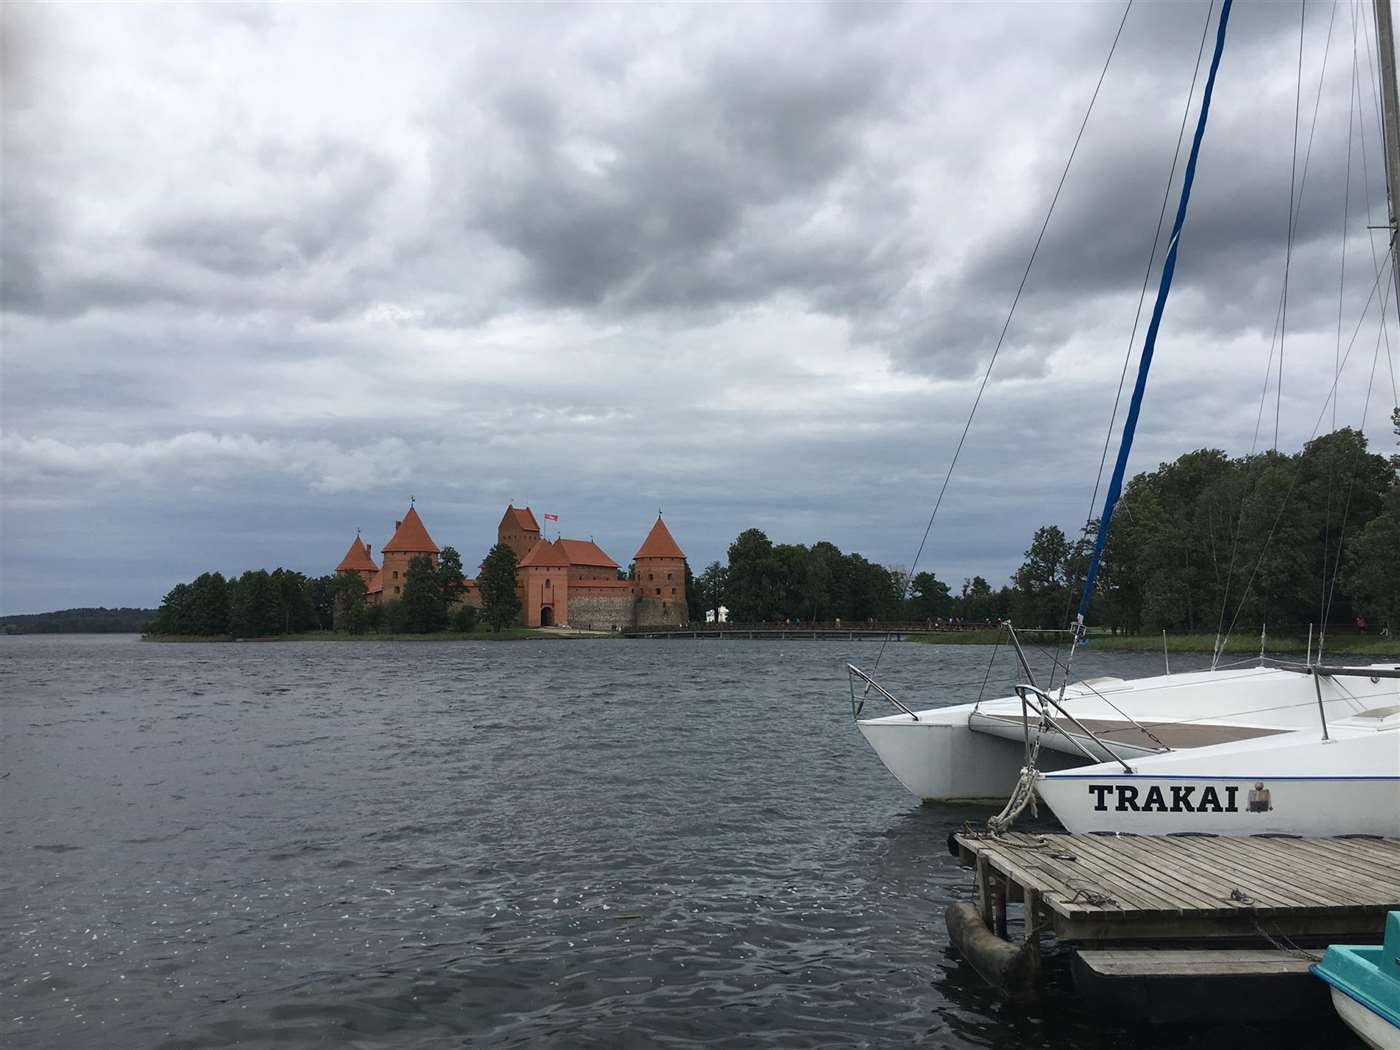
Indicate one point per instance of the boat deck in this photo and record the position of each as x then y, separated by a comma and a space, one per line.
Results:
1174, 735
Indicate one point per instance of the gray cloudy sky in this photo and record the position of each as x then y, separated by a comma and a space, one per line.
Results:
267, 271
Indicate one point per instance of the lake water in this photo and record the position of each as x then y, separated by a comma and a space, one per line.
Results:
568, 844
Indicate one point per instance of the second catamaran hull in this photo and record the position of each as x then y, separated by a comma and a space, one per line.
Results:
1295, 783
1214, 805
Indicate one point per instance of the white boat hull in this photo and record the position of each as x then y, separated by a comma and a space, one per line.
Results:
943, 760
1285, 784
1196, 746
1373, 1030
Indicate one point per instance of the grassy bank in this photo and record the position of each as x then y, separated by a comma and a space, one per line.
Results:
1354, 645
1359, 645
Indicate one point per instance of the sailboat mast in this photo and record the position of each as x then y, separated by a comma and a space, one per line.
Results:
1390, 123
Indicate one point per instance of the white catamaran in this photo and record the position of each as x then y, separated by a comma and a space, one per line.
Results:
1302, 749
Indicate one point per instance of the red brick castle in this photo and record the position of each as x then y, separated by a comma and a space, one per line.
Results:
561, 582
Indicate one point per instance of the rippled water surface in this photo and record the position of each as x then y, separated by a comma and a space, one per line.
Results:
478, 844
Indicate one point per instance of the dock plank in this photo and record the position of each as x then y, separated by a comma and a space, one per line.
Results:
1180, 887
1269, 887
1166, 962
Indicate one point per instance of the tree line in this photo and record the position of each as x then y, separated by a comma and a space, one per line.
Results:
262, 604
78, 621
1207, 540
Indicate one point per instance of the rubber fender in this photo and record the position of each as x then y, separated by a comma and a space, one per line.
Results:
1006, 967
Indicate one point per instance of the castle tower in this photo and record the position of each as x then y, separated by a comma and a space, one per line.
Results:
519, 531
660, 579
358, 559
542, 579
410, 539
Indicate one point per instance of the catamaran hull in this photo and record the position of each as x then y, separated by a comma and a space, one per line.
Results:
1213, 805
945, 761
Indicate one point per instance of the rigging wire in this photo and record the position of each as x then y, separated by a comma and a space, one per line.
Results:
1293, 484
1006, 325
1374, 80
1325, 597
1292, 187
1346, 506
1295, 209
1137, 316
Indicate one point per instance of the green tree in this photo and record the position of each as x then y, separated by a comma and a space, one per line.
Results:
374, 617
978, 603
828, 584
209, 605
296, 613
464, 618
454, 584
396, 619
709, 588
500, 602
255, 607
929, 597
424, 604
790, 562
351, 603
694, 604
1041, 598
322, 591
176, 613
754, 585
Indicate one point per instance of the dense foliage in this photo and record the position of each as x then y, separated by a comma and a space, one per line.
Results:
1203, 542
261, 604
78, 621
257, 604
500, 602
1266, 539
766, 581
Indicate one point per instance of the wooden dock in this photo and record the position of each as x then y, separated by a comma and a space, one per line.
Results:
1171, 909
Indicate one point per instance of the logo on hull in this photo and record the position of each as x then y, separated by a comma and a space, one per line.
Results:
1179, 798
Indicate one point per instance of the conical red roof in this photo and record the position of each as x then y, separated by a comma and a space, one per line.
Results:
357, 559
411, 537
659, 543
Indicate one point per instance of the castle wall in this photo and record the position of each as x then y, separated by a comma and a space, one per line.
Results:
602, 610
658, 612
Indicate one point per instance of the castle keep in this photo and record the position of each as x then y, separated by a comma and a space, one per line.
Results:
561, 582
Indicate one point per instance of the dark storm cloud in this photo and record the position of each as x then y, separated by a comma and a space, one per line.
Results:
707, 192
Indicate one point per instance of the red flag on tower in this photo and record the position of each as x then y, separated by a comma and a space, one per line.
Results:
551, 517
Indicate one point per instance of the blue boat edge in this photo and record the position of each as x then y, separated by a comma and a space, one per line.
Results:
1369, 974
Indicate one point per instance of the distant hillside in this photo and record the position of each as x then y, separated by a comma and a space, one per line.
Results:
78, 621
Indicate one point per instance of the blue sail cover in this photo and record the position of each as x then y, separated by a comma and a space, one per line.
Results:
1115, 486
